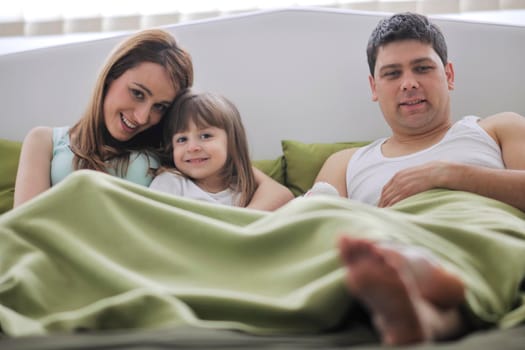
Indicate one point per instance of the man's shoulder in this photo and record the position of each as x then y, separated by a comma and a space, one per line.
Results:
346, 153
503, 121
500, 119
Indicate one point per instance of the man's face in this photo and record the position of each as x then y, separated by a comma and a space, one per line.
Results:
412, 86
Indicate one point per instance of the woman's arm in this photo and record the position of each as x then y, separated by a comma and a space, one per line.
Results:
34, 168
270, 194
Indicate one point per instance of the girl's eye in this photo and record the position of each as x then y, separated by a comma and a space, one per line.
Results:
206, 136
181, 139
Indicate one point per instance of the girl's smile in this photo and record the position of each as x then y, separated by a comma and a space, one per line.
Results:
201, 154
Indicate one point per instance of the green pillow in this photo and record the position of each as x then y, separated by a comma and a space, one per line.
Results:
304, 160
272, 167
9, 155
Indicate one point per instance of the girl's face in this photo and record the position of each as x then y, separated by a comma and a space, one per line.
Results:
137, 100
200, 154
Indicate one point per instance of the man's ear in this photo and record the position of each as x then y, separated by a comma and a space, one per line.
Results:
449, 72
372, 82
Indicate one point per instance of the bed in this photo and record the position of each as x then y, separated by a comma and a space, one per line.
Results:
299, 78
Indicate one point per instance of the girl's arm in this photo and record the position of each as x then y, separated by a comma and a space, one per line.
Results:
270, 194
34, 168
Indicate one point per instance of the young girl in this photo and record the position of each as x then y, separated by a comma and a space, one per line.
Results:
207, 152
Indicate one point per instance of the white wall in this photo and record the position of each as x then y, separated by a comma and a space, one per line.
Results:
294, 74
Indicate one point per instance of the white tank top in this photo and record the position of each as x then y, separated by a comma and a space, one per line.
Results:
466, 142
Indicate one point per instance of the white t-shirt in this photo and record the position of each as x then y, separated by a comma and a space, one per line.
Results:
466, 142
179, 185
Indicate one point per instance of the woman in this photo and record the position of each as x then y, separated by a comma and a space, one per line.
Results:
120, 132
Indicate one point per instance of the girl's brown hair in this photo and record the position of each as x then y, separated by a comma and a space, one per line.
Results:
91, 142
207, 109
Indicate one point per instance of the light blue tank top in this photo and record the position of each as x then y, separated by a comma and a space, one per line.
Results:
62, 161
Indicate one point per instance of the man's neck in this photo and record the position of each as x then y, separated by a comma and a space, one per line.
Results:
404, 144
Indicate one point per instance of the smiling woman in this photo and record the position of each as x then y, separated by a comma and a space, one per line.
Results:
120, 131
137, 100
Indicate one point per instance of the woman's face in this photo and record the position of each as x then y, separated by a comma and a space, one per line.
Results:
137, 100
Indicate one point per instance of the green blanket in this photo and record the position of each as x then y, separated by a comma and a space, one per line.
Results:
96, 252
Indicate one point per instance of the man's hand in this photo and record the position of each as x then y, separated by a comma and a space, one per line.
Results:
414, 180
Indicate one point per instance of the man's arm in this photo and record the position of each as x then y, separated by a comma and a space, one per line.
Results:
334, 170
506, 185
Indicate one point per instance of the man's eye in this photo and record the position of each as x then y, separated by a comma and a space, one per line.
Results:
423, 69
391, 74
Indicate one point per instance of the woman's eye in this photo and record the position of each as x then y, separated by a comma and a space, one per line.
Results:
137, 93
161, 108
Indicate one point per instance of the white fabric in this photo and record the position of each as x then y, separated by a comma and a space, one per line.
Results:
466, 142
322, 188
179, 185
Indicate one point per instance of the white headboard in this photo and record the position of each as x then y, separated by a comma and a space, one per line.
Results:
294, 74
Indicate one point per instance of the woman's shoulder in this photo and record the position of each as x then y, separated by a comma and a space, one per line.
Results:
40, 133
45, 135
47, 131
39, 137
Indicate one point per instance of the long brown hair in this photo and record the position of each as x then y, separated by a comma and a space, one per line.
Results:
91, 141
206, 109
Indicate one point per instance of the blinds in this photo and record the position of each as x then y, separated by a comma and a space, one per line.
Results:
52, 17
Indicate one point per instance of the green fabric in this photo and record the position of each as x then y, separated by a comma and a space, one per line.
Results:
99, 252
9, 155
274, 168
304, 160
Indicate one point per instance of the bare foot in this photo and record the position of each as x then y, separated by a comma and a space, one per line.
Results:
385, 282
434, 283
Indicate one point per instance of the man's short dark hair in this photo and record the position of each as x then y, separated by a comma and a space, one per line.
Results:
405, 26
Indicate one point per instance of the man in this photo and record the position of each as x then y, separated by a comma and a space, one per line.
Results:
411, 79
